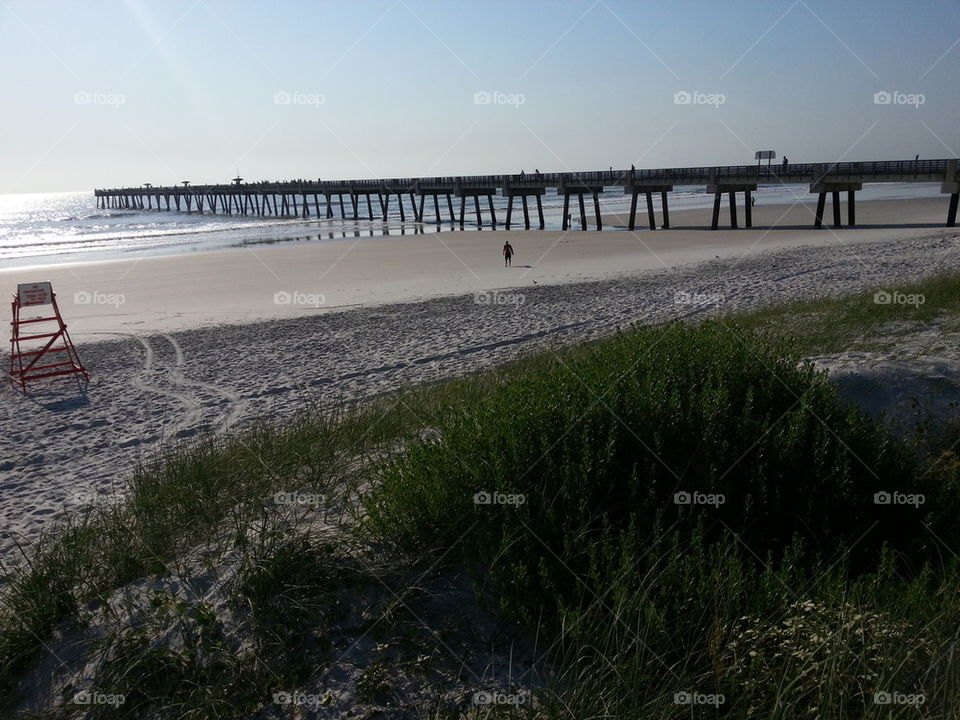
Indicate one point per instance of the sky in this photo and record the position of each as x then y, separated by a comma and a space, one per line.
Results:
107, 93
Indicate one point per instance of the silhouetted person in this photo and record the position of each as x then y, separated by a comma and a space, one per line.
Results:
507, 254
785, 161
522, 174
916, 158
753, 201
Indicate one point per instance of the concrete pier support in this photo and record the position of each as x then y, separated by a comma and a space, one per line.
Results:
634, 191
731, 190
953, 190
580, 188
464, 190
822, 188
436, 194
523, 188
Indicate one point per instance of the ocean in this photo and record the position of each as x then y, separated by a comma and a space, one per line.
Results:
56, 228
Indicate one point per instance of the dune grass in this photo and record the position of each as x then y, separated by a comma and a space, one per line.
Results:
858, 321
795, 596
655, 595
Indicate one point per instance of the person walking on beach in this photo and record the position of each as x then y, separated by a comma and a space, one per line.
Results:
507, 254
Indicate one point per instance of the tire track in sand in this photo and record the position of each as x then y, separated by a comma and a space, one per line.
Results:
143, 382
235, 405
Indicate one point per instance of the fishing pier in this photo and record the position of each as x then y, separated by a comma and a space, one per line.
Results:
324, 198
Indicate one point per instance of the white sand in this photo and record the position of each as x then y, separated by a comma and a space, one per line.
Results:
155, 379
239, 286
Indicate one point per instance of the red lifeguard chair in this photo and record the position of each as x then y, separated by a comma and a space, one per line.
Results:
34, 362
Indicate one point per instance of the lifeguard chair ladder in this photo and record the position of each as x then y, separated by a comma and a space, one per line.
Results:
34, 363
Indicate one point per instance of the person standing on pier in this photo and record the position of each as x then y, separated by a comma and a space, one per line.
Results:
507, 254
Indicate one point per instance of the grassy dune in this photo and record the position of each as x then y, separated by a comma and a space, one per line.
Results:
781, 590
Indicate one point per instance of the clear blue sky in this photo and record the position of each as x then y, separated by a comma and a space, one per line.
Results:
124, 92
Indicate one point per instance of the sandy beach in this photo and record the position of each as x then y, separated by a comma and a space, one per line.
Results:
206, 289
199, 343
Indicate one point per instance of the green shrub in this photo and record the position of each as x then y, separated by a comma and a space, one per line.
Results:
603, 439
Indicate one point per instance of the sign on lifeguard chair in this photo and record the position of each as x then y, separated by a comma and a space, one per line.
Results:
42, 350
